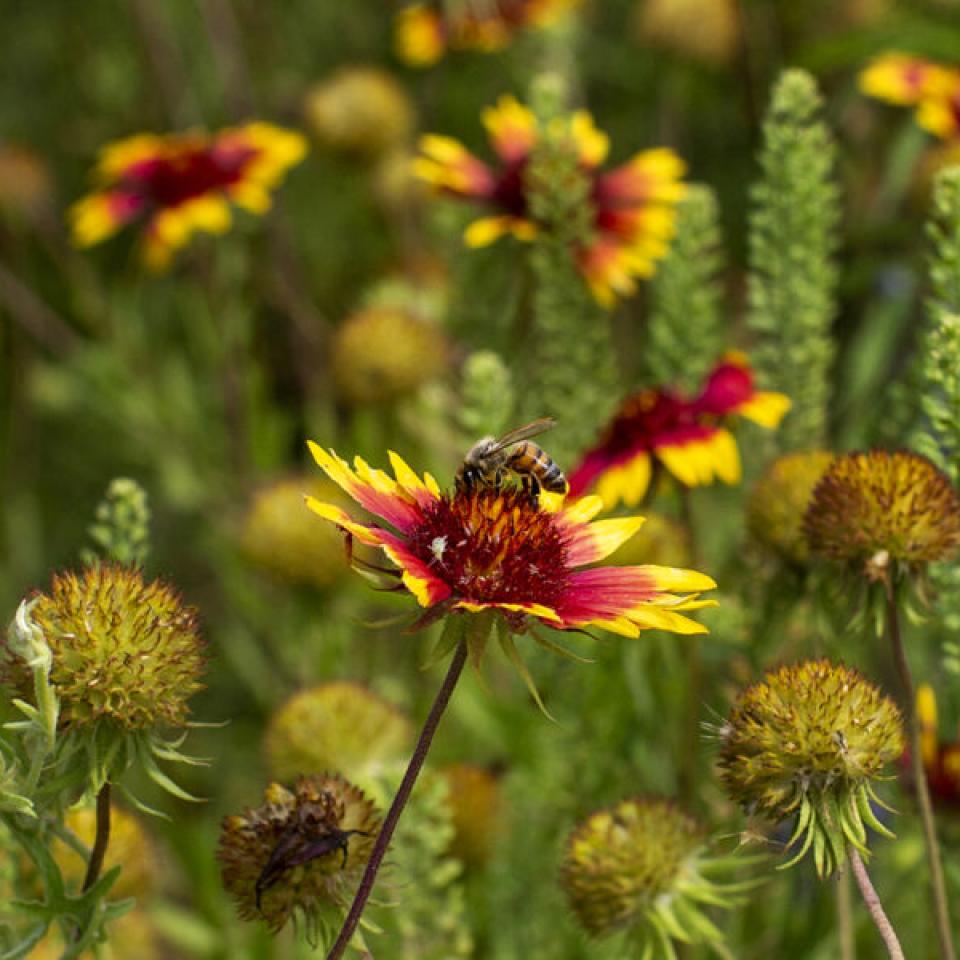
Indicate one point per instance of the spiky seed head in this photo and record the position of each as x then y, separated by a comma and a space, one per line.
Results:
275, 538
124, 650
638, 867
318, 888
474, 796
382, 354
660, 540
337, 726
359, 110
875, 509
809, 741
779, 500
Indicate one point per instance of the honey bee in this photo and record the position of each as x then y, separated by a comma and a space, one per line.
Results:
492, 461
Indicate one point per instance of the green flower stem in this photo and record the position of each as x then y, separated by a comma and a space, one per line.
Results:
937, 883
400, 801
870, 898
848, 947
102, 839
693, 688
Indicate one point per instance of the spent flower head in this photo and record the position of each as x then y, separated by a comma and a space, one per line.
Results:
809, 741
475, 799
779, 500
301, 853
337, 726
878, 510
642, 866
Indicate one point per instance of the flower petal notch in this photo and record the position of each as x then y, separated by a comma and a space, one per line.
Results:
634, 205
178, 185
686, 437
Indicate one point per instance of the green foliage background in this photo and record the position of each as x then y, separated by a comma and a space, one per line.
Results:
205, 383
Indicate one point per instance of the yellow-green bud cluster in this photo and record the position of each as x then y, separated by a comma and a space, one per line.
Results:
278, 537
318, 807
807, 742
779, 501
359, 110
382, 354
337, 726
122, 649
638, 866
875, 509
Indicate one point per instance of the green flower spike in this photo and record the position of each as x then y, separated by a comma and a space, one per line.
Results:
808, 742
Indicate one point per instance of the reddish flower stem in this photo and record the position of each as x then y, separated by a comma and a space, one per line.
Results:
399, 801
937, 883
102, 839
870, 898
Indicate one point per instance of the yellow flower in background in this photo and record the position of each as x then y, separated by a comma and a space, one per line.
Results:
687, 437
634, 204
906, 80
703, 30
425, 31
181, 184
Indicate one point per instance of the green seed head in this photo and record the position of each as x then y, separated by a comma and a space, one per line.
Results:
639, 867
122, 649
808, 742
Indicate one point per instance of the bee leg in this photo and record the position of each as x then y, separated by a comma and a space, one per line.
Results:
534, 490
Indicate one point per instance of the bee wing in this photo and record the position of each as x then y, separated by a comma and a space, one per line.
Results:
525, 432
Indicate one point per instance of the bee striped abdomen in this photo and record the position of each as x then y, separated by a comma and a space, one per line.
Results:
530, 459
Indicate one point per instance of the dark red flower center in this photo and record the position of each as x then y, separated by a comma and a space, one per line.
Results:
171, 179
494, 547
509, 191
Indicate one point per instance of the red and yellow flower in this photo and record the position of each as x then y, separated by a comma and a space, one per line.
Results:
498, 550
941, 761
905, 80
424, 31
687, 437
180, 184
634, 205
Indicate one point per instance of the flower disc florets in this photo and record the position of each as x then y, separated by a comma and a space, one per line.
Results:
302, 851
807, 742
874, 508
779, 501
638, 865
123, 650
337, 726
